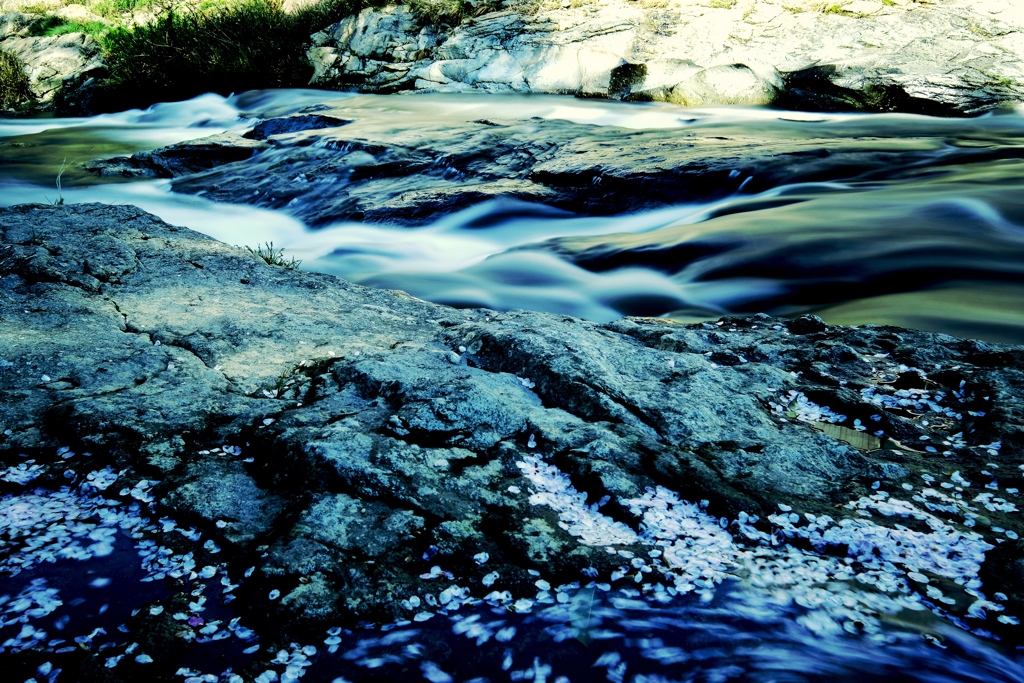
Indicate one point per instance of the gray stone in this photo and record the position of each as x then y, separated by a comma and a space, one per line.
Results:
14, 24
957, 56
324, 421
62, 70
223, 492
80, 14
316, 598
374, 48
352, 525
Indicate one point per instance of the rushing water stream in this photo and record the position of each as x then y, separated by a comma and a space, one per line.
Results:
923, 229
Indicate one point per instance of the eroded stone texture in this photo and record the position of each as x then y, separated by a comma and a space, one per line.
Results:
345, 439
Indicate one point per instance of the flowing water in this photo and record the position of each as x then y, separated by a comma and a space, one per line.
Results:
924, 230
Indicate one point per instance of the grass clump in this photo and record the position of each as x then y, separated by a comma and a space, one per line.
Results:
838, 10
109, 8
92, 28
274, 257
14, 83
248, 45
51, 25
449, 12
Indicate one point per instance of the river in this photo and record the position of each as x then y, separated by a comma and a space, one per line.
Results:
919, 223
920, 226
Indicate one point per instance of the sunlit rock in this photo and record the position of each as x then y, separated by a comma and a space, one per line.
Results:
934, 58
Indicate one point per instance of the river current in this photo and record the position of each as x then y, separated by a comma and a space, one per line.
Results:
933, 242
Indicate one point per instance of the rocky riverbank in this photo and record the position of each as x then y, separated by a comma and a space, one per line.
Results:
63, 70
937, 58
949, 58
361, 449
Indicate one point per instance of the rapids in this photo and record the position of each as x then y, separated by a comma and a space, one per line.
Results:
934, 243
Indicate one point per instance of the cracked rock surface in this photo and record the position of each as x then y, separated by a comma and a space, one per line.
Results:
372, 435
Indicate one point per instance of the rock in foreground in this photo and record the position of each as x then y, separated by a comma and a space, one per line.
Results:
374, 456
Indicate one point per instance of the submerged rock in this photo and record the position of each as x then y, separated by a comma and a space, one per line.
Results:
949, 57
186, 158
318, 432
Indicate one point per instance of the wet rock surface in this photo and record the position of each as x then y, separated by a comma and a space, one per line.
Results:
408, 160
356, 446
938, 58
186, 158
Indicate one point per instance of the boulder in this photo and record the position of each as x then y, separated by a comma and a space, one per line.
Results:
63, 70
80, 14
375, 48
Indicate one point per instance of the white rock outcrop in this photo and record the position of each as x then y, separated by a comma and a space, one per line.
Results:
941, 57
62, 70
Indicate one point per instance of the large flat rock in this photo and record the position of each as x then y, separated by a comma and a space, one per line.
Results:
344, 440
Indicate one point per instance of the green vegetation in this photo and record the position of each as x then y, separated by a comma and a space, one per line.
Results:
55, 26
44, 25
93, 28
221, 46
249, 45
838, 10
274, 257
13, 81
109, 8
450, 12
